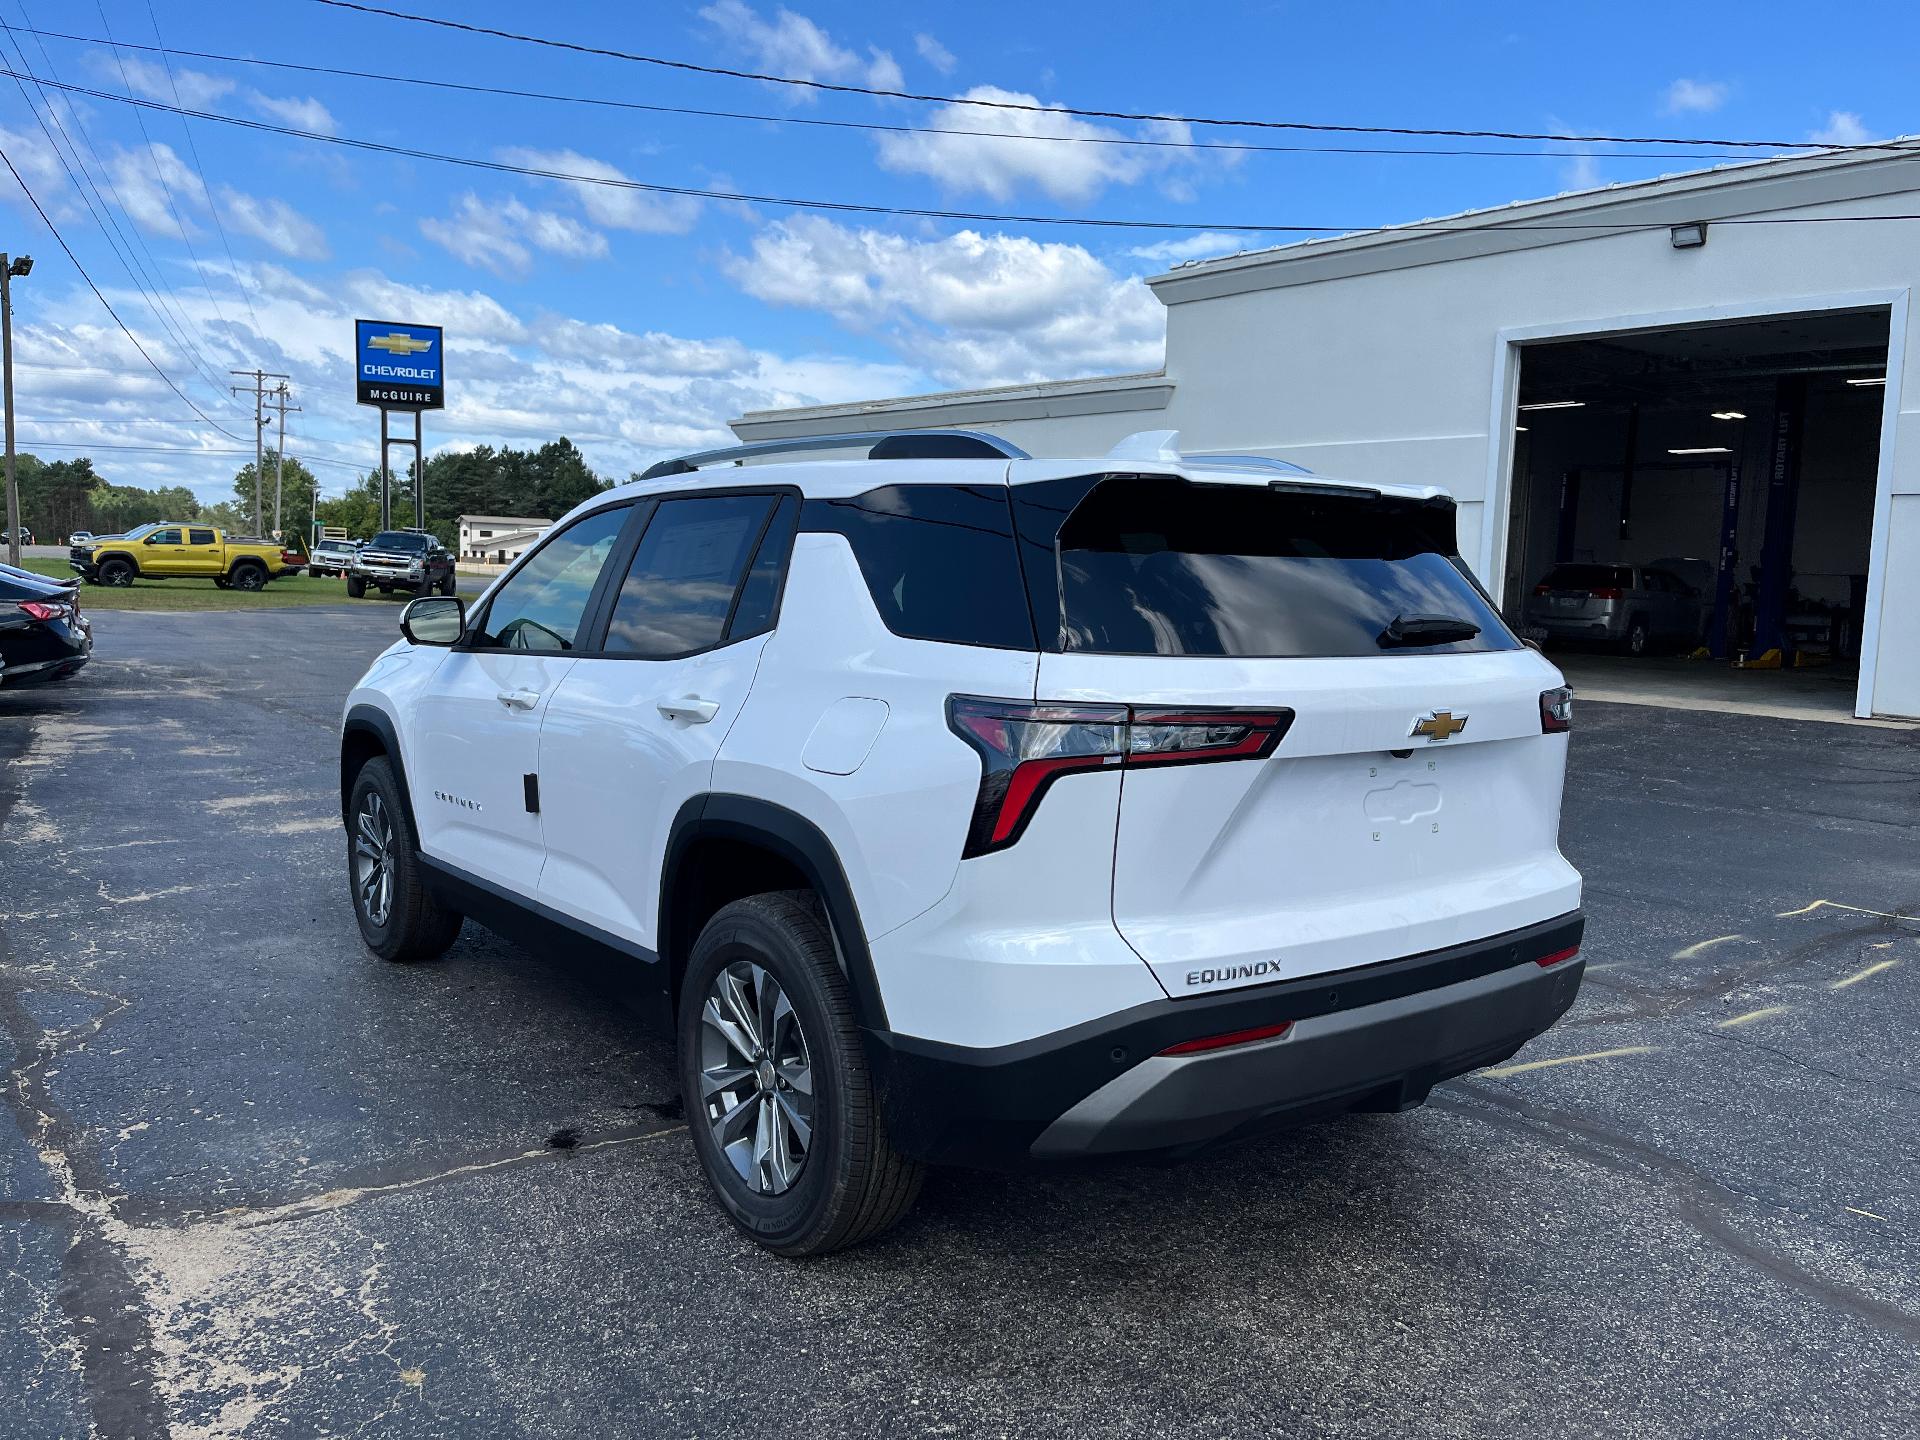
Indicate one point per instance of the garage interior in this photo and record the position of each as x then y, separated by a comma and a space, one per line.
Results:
1739, 459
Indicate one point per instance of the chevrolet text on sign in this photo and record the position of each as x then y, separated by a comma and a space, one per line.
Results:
398, 365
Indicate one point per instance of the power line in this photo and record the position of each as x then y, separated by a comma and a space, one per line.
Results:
926, 212
193, 149
885, 94
105, 304
177, 450
147, 280
875, 126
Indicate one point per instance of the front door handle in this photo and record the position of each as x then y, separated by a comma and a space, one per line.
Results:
690, 708
519, 699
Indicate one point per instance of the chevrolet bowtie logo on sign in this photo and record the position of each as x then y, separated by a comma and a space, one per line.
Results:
398, 344
397, 366
1440, 725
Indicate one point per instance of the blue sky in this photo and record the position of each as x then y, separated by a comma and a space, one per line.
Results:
639, 324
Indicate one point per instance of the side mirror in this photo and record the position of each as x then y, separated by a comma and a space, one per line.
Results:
434, 620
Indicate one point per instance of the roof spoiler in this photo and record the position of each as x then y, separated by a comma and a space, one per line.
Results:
880, 445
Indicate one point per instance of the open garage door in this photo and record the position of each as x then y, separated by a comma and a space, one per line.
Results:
1691, 510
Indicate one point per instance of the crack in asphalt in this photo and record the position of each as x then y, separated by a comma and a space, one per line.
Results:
1704, 1202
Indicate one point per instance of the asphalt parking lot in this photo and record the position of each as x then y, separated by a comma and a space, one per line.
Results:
254, 1182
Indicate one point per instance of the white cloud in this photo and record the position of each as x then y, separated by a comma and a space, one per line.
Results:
1843, 127
972, 309
1695, 96
1202, 246
196, 89
935, 54
149, 181
792, 45
501, 236
609, 205
1582, 170
302, 113
274, 223
1064, 156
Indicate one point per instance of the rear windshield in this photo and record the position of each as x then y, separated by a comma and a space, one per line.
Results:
1148, 565
1589, 577
397, 540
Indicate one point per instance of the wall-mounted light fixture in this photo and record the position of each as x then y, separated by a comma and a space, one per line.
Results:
1729, 414
1690, 236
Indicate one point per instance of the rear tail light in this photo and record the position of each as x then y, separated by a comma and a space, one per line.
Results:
1025, 747
291, 557
1543, 589
1607, 593
1557, 956
1556, 711
1232, 1037
41, 611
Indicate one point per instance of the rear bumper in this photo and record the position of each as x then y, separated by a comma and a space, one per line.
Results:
1375, 1038
1570, 627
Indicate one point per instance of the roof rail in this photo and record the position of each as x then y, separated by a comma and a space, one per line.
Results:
882, 445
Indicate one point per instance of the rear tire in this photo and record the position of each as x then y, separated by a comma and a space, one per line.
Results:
248, 577
399, 919
355, 588
782, 1108
1639, 638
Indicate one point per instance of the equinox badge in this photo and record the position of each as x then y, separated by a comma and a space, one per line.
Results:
1440, 725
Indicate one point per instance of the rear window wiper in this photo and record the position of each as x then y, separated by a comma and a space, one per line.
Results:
1408, 631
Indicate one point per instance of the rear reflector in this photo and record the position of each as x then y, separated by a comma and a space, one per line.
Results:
1232, 1037
1024, 747
1557, 956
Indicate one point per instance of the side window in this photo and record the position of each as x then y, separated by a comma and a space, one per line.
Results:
541, 605
164, 537
939, 560
200, 537
680, 588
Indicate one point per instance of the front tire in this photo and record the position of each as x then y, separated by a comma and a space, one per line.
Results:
399, 919
446, 585
355, 588
779, 1099
116, 572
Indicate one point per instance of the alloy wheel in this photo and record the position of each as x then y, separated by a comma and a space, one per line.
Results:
373, 858
756, 1077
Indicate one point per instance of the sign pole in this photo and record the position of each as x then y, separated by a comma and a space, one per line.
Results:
386, 484
419, 477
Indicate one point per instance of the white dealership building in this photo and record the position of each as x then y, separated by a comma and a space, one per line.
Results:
1711, 368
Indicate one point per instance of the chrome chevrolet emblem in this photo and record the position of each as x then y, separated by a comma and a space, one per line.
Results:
398, 344
1440, 725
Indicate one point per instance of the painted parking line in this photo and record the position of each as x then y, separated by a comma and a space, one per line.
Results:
1868, 1213
1751, 1016
1692, 950
1502, 1070
1838, 905
1859, 975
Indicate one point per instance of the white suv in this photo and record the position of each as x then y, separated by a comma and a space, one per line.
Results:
963, 808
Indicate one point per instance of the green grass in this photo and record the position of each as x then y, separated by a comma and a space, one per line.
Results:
201, 594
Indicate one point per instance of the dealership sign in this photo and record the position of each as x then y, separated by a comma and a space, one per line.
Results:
398, 366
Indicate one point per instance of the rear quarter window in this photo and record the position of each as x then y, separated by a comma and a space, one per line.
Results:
939, 560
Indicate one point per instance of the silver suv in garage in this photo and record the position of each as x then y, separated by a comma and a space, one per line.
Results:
1633, 607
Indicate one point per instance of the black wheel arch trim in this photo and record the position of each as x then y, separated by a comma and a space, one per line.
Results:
801, 843
371, 720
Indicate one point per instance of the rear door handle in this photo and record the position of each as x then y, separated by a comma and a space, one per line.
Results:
690, 708
519, 699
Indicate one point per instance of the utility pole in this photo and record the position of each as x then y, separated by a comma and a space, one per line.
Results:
279, 401
9, 268
260, 422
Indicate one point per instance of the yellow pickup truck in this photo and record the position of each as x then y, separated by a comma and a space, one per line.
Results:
168, 550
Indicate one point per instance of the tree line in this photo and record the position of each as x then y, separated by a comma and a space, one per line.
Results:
59, 497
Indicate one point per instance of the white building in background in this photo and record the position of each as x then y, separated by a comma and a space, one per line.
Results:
1749, 324
499, 538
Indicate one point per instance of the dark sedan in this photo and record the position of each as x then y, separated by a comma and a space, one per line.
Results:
43, 635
